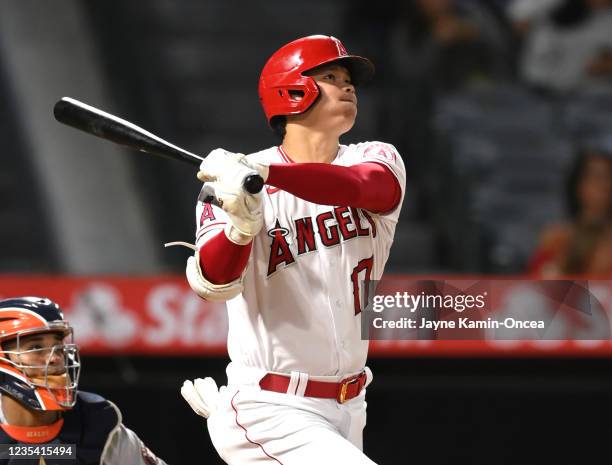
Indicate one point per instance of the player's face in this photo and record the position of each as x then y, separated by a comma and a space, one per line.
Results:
36, 350
336, 107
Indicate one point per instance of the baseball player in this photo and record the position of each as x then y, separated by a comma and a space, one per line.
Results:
291, 262
39, 401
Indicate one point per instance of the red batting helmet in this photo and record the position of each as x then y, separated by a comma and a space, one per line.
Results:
284, 70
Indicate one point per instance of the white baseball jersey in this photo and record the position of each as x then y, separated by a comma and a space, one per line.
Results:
300, 309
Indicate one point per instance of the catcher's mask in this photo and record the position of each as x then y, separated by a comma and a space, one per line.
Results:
39, 362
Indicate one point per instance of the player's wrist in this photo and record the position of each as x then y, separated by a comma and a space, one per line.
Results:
237, 236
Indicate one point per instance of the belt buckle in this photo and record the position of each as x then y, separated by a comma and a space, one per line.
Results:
344, 388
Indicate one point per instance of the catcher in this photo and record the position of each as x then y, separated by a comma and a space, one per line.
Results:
39, 376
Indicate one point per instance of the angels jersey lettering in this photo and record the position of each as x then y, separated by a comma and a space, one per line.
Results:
305, 314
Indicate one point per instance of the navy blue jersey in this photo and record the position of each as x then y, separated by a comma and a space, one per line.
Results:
88, 425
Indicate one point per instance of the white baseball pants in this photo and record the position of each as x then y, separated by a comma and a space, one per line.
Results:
251, 426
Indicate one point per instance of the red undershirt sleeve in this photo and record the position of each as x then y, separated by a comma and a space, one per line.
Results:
371, 186
222, 261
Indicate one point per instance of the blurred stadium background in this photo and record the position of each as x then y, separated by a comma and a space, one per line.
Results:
488, 139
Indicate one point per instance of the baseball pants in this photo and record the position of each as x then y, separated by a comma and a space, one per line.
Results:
254, 426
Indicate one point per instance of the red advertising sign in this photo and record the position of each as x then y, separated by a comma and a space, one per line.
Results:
161, 315
131, 315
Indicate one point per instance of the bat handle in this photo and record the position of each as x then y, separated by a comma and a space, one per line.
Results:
253, 183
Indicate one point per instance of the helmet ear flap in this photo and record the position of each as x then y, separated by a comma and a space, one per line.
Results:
287, 96
299, 98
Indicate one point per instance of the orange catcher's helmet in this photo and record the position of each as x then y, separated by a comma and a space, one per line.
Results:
282, 76
42, 374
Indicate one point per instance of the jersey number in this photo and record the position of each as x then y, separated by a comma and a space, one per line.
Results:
364, 266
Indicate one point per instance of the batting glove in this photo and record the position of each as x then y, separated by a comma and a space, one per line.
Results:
244, 211
202, 396
224, 173
220, 163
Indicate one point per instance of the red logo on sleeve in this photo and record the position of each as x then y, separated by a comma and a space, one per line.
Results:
207, 213
382, 151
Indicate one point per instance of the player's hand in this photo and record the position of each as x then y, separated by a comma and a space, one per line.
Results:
220, 163
244, 210
202, 395
224, 173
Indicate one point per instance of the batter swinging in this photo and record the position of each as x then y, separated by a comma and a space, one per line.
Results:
290, 263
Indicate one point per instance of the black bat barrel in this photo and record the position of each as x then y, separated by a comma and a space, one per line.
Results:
106, 126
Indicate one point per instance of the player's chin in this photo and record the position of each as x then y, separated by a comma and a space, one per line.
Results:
348, 120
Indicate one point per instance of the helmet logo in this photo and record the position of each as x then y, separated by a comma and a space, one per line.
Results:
341, 50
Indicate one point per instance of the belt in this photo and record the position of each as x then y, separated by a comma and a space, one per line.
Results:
343, 391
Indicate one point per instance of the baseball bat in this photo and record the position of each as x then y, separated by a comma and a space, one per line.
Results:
101, 124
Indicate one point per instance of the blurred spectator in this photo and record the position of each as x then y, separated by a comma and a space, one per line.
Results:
436, 47
522, 13
567, 43
447, 42
583, 246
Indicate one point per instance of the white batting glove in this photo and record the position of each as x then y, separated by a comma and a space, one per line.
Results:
244, 210
224, 173
220, 163
202, 395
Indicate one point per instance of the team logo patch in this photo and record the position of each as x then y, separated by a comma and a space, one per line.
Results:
207, 214
278, 230
382, 151
340, 47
